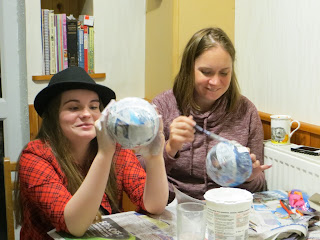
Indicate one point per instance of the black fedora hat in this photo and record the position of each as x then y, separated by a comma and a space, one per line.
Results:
68, 79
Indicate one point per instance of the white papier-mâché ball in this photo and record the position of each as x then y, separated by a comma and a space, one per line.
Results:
229, 165
133, 122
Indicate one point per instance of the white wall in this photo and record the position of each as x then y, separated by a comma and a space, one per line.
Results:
33, 47
119, 46
278, 56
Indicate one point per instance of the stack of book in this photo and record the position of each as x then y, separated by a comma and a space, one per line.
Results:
66, 42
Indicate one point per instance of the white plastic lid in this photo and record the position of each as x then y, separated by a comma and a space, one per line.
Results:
228, 195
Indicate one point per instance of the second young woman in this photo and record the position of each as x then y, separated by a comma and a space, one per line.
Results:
206, 93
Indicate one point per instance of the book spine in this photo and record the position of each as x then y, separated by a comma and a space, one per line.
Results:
56, 23
85, 47
80, 46
91, 50
60, 42
65, 41
72, 42
42, 41
46, 41
52, 31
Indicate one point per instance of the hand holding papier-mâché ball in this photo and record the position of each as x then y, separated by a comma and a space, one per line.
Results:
228, 162
132, 122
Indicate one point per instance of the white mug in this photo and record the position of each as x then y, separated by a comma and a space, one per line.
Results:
281, 129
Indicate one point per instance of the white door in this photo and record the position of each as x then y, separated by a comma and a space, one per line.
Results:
13, 102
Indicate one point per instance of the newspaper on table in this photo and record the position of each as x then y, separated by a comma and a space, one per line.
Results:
268, 220
314, 201
106, 229
127, 226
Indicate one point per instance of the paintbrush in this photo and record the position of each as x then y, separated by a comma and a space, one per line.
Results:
214, 161
211, 135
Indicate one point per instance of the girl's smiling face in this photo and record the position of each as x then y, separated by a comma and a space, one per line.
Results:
213, 70
79, 109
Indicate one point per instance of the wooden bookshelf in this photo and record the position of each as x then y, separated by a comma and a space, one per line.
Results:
67, 6
97, 76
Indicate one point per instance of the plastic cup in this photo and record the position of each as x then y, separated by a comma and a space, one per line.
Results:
228, 213
191, 221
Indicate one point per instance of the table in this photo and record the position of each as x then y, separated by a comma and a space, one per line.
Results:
133, 225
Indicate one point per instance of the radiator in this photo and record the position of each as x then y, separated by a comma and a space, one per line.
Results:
291, 170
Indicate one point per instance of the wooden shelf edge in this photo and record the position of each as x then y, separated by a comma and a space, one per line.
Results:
97, 76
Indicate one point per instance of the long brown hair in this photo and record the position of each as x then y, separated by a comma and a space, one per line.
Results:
51, 133
200, 42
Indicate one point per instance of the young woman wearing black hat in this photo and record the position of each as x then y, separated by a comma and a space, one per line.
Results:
73, 172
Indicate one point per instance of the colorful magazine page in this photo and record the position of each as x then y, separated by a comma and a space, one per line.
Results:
269, 196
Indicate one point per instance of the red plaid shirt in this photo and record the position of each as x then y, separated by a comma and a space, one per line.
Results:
44, 192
